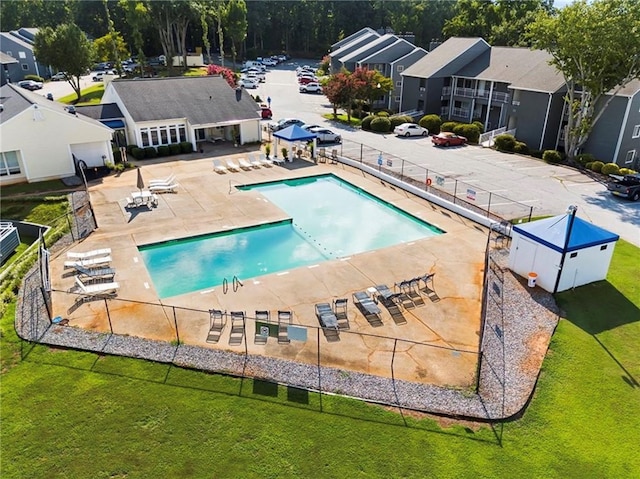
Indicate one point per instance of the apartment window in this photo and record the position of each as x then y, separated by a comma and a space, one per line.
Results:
636, 131
397, 99
603, 247
423, 82
9, 53
163, 135
631, 154
9, 164
398, 84
25, 67
400, 68
22, 55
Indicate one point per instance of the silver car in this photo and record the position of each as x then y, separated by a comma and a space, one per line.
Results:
325, 135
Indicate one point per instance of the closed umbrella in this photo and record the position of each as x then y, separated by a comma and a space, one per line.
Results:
140, 183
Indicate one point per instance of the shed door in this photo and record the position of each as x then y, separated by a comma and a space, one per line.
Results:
525, 256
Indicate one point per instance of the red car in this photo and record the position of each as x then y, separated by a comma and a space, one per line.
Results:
305, 80
447, 138
266, 112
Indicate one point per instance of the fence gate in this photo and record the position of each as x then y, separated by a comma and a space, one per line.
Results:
83, 221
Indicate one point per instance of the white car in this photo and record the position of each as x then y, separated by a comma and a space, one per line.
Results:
312, 87
325, 135
59, 76
410, 129
284, 123
99, 76
254, 75
269, 62
248, 83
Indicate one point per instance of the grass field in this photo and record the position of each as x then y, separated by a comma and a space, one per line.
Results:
81, 415
88, 96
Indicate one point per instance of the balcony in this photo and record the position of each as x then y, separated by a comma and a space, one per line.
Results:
497, 96
461, 112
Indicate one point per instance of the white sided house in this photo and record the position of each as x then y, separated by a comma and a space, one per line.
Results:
563, 251
41, 140
164, 111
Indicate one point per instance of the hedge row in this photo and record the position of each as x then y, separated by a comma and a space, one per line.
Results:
163, 150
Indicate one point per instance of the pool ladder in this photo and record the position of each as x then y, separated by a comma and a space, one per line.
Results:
236, 283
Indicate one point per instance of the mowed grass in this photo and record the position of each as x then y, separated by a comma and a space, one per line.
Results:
88, 96
81, 415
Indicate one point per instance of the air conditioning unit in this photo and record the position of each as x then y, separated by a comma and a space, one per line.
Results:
515, 103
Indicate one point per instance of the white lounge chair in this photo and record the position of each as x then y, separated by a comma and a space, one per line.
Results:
218, 167
163, 188
88, 262
265, 161
244, 164
255, 162
232, 165
89, 254
278, 161
170, 180
97, 290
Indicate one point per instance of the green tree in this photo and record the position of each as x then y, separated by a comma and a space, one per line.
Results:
104, 47
236, 25
136, 16
371, 85
596, 47
66, 48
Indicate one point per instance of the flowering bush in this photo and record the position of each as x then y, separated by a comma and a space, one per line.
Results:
225, 72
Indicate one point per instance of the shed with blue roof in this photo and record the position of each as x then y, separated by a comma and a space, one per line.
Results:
564, 251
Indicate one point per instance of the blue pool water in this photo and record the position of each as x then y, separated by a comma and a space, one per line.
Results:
330, 219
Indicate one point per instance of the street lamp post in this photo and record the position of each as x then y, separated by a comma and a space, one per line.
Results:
571, 210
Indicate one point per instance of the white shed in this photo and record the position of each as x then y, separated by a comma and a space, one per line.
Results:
564, 252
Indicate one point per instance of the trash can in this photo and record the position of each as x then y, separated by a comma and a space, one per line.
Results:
532, 279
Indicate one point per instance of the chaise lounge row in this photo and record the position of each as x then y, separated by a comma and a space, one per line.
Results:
230, 165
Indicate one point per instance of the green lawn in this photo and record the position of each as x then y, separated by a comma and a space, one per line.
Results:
80, 415
88, 96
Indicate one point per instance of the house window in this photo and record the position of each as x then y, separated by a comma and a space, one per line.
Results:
400, 68
423, 82
164, 139
636, 131
22, 55
145, 137
603, 247
631, 154
9, 164
9, 53
154, 136
173, 132
397, 99
183, 133
573, 255
25, 67
398, 84
163, 135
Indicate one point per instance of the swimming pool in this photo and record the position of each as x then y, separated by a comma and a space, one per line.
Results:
330, 219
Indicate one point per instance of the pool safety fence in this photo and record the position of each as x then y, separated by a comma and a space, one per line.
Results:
470, 196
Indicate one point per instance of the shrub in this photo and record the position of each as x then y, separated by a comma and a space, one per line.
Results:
627, 171
585, 158
381, 124
366, 122
588, 165
383, 114
551, 156
610, 169
174, 148
117, 156
479, 124
468, 130
521, 147
399, 120
34, 78
267, 149
130, 149
597, 166
186, 147
536, 153
285, 152
448, 125
137, 153
504, 142
150, 152
164, 150
431, 123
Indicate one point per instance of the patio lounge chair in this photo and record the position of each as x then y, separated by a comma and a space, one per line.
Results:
88, 262
94, 272
278, 161
169, 180
244, 164
232, 165
218, 167
404, 295
237, 327
263, 317
413, 291
328, 321
390, 300
89, 254
96, 290
428, 287
368, 308
255, 162
340, 310
264, 161
284, 320
217, 322
163, 188
385, 294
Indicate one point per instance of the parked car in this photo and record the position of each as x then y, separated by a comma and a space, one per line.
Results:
265, 112
30, 84
305, 80
249, 83
627, 186
254, 75
311, 126
446, 138
270, 62
311, 87
60, 76
284, 123
325, 135
410, 129
99, 76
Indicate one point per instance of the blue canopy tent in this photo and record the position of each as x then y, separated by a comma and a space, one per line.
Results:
293, 134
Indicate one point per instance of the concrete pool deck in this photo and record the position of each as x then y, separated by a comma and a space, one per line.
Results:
207, 201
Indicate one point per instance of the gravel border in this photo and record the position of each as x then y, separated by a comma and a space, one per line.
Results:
517, 317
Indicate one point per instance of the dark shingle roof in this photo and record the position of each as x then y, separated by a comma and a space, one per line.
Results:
436, 62
201, 100
108, 111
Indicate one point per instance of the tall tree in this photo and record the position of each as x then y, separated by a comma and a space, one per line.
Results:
596, 47
236, 25
117, 46
104, 48
220, 13
67, 49
136, 16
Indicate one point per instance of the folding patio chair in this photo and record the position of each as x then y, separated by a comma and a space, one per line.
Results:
263, 317
217, 322
237, 327
340, 310
284, 320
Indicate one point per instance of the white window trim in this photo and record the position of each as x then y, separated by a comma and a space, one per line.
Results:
25, 67
631, 155
397, 99
636, 132
400, 68
398, 84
